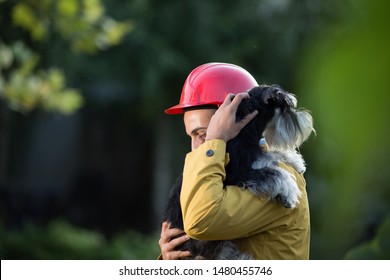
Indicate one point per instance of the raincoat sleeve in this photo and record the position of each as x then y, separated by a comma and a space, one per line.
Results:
214, 212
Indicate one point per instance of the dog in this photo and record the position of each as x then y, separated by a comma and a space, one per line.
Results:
253, 166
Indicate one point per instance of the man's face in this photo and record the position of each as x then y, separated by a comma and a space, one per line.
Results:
196, 123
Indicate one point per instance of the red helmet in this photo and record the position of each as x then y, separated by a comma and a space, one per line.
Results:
208, 84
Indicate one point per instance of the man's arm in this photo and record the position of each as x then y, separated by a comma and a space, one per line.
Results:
214, 212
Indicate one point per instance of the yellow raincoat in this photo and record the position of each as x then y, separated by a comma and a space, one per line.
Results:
262, 227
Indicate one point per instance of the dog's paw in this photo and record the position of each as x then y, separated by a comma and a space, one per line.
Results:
285, 202
288, 192
289, 200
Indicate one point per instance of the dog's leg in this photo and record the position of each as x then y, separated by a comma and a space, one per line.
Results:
276, 183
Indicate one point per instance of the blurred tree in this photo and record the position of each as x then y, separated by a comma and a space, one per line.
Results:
172, 37
83, 24
34, 82
61, 240
25, 89
376, 249
345, 81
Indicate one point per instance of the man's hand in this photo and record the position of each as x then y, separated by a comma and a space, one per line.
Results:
168, 242
223, 124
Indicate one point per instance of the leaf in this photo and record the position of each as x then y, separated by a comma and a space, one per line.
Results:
362, 252
25, 17
6, 56
93, 10
68, 8
383, 239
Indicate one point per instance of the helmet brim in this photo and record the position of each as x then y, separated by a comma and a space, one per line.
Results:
181, 108
175, 110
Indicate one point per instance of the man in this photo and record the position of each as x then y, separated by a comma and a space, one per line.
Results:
261, 227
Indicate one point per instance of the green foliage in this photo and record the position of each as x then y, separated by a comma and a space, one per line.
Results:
133, 246
84, 25
377, 249
345, 81
25, 89
61, 240
23, 16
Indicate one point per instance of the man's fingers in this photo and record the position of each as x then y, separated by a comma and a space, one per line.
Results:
170, 253
165, 226
167, 230
168, 233
234, 100
172, 232
228, 99
184, 254
177, 241
248, 118
170, 239
237, 99
174, 255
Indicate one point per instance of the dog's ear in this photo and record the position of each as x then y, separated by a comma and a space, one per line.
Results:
290, 127
273, 95
276, 96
